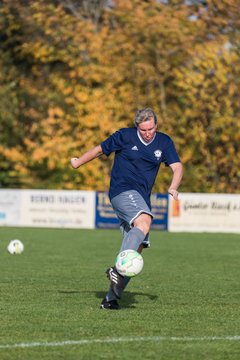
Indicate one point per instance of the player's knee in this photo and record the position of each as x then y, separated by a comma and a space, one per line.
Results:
143, 222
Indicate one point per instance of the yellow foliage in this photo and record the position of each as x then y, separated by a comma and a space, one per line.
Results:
39, 154
55, 112
14, 155
80, 77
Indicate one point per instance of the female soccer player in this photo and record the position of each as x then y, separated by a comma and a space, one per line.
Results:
139, 152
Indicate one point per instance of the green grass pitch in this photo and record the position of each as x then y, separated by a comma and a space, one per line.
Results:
184, 305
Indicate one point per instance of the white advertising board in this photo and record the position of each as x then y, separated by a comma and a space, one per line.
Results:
47, 208
10, 207
197, 212
58, 208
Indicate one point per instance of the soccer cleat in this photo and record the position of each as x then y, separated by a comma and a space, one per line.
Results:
109, 305
117, 281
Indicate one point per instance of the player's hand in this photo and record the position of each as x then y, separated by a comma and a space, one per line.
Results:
75, 162
173, 193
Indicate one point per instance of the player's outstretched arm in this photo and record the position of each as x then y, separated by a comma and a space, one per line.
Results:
86, 157
177, 169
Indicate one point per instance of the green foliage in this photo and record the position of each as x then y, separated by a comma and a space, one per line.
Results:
74, 72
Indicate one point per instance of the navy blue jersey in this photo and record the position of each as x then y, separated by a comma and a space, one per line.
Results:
136, 162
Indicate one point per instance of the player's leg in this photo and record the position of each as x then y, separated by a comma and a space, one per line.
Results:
132, 239
138, 233
136, 220
110, 300
132, 209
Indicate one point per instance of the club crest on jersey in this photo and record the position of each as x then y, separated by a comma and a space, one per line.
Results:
158, 154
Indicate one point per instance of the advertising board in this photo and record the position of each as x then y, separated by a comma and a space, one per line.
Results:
197, 212
58, 208
47, 208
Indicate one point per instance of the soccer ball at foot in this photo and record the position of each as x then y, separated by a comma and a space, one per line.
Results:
15, 247
129, 263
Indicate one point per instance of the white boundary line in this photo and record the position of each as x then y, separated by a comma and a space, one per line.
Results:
121, 340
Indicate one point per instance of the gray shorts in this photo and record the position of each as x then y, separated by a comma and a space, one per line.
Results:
128, 205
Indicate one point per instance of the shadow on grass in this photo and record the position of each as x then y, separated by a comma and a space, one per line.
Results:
128, 299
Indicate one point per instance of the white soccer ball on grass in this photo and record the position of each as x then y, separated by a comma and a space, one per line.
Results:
129, 263
15, 247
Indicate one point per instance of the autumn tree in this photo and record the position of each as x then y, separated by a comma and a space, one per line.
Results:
75, 71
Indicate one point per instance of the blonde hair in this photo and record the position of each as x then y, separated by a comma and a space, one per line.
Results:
145, 115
